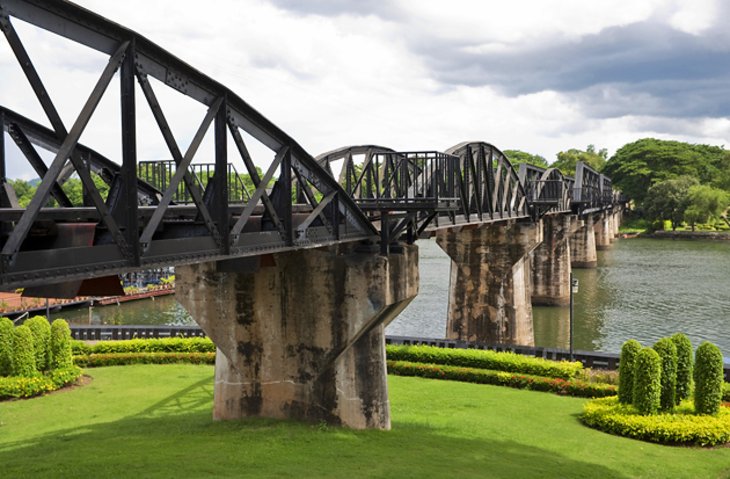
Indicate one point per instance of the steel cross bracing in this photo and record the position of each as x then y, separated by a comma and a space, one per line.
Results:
179, 211
416, 193
41, 244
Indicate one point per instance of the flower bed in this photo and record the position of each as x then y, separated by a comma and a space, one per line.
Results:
682, 427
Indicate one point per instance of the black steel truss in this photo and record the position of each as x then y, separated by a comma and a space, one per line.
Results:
180, 211
137, 225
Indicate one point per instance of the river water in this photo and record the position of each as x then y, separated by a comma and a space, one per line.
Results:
642, 288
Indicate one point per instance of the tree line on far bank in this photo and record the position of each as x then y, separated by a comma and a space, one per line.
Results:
665, 180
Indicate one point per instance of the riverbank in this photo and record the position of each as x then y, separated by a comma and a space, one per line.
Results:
687, 235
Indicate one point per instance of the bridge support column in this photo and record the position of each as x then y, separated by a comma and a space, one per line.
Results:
604, 231
550, 262
489, 295
583, 245
616, 215
301, 336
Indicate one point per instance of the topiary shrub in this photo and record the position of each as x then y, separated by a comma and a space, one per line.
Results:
41, 330
626, 371
684, 367
6, 346
708, 375
668, 353
647, 381
61, 354
23, 357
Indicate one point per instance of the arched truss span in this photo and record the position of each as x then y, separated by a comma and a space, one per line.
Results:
489, 186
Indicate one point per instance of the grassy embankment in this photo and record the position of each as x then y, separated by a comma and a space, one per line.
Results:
154, 421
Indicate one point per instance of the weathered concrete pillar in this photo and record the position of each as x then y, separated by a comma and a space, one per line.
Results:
616, 221
489, 295
604, 231
550, 262
583, 245
301, 337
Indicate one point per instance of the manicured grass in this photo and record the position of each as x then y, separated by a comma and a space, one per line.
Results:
154, 421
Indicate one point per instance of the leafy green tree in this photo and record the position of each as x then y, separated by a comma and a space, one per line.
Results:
669, 199
567, 160
705, 203
517, 157
24, 191
637, 166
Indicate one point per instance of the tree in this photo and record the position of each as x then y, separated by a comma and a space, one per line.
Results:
517, 157
705, 203
567, 160
637, 166
669, 199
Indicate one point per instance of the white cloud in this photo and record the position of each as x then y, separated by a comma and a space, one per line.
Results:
353, 77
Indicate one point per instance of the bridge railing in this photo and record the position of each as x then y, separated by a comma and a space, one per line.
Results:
159, 174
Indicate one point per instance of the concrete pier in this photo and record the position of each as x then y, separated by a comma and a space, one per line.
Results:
604, 230
300, 334
489, 295
583, 245
550, 262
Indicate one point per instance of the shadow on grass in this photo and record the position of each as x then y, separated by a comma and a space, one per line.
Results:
176, 437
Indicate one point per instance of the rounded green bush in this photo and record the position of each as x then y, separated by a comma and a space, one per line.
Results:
6, 346
684, 367
668, 354
708, 375
41, 330
23, 359
647, 381
626, 371
61, 352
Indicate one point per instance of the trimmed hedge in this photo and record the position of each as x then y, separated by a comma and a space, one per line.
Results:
726, 392
152, 345
679, 428
41, 329
6, 346
25, 387
61, 355
483, 359
23, 355
561, 386
708, 377
629, 350
647, 381
684, 367
668, 354
123, 359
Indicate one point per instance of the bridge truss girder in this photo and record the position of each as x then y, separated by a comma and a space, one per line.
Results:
138, 226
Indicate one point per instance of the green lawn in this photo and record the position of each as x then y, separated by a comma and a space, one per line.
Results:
155, 421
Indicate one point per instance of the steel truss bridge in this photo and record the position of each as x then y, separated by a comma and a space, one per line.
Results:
149, 214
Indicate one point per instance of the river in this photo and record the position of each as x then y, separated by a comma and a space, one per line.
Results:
642, 288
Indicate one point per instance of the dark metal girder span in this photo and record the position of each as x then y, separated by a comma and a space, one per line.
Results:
127, 234
297, 203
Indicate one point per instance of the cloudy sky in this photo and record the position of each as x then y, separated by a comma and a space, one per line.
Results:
537, 75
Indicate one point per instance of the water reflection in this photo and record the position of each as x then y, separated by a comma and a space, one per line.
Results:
642, 289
